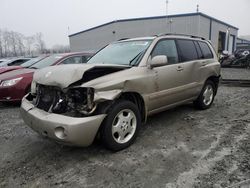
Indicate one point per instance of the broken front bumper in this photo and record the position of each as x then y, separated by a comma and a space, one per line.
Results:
63, 129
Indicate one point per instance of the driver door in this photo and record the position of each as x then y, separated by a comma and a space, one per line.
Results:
169, 78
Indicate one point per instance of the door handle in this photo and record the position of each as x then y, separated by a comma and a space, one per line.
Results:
203, 64
180, 68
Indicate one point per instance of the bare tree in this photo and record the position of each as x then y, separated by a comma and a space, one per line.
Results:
40, 44
20, 43
29, 41
1, 43
13, 42
6, 46
60, 49
16, 44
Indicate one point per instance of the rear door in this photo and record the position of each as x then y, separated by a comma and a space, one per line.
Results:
190, 61
206, 57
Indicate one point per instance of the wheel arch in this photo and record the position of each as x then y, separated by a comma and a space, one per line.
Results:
215, 80
138, 100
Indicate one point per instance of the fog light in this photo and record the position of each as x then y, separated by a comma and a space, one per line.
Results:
60, 133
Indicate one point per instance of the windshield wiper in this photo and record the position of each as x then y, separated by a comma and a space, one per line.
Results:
136, 57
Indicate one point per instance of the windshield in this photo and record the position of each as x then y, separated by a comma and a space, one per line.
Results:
32, 61
48, 61
122, 53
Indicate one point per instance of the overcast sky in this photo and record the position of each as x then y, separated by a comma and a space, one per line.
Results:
53, 17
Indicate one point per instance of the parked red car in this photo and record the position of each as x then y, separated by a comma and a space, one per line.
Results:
15, 84
27, 64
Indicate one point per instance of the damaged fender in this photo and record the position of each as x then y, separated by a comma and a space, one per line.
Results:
106, 95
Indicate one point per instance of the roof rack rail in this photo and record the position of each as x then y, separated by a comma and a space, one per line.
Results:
179, 34
123, 39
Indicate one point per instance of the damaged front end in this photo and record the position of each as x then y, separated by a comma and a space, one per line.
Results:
64, 108
53, 92
73, 101
67, 116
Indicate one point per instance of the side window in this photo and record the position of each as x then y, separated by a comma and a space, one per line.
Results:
207, 53
17, 62
73, 60
168, 48
85, 59
198, 49
187, 50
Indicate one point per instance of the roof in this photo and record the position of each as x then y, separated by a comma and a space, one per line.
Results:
170, 35
244, 40
73, 53
157, 17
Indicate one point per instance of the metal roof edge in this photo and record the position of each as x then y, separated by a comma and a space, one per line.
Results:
155, 17
239, 38
219, 21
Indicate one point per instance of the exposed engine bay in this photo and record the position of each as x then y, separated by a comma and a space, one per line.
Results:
75, 101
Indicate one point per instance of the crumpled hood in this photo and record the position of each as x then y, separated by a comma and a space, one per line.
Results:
64, 75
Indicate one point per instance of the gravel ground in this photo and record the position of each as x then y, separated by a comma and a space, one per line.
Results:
182, 147
234, 73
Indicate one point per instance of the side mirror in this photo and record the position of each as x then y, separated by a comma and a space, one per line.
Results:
225, 52
159, 60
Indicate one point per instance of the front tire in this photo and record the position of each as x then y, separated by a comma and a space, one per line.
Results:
121, 126
206, 97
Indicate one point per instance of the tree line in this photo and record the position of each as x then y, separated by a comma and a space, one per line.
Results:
13, 44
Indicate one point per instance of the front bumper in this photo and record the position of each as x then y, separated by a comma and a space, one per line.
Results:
12, 93
63, 129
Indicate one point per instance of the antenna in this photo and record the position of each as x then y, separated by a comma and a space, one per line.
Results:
68, 31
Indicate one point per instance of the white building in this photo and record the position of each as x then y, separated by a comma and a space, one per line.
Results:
222, 35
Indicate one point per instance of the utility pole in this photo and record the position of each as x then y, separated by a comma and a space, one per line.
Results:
167, 14
199, 24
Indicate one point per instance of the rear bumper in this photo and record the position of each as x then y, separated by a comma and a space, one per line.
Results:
63, 129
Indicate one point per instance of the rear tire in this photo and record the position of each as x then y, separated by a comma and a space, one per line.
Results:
206, 97
121, 126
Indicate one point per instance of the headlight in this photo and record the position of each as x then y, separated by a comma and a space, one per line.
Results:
33, 87
7, 83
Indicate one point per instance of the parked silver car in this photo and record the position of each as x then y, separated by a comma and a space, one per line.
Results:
13, 61
119, 87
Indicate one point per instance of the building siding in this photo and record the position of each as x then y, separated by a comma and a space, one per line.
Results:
193, 24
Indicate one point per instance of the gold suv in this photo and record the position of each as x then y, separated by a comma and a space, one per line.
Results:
119, 87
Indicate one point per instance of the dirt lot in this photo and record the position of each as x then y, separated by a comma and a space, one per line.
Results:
182, 147
235, 73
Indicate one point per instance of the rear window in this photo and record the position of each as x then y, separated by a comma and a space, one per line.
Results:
17, 62
200, 55
206, 51
187, 50
48, 61
73, 60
